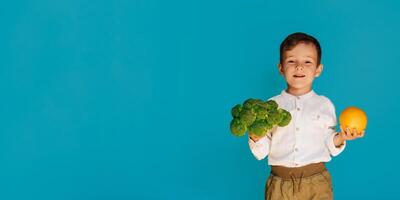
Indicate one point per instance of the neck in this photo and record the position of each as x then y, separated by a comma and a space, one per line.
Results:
298, 91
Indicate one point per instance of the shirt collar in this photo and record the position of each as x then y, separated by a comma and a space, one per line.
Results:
300, 97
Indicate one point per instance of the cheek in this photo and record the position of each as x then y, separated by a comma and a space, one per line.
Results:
288, 75
311, 72
288, 72
311, 78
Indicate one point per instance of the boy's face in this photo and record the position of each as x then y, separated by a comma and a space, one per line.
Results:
299, 66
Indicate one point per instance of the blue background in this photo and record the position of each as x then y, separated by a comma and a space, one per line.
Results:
131, 99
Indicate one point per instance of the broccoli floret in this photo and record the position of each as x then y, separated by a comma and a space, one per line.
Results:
263, 104
237, 127
259, 127
286, 117
260, 111
236, 110
249, 103
272, 105
274, 117
247, 116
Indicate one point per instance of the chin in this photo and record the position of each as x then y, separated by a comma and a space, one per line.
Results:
299, 85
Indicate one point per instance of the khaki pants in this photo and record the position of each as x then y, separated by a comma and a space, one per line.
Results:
314, 186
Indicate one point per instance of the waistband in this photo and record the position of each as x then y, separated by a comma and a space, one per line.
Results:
298, 172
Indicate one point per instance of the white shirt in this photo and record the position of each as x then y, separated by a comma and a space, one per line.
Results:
308, 138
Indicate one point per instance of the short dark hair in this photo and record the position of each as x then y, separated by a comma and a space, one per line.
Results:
295, 38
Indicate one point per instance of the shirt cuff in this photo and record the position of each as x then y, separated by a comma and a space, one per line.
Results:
331, 145
260, 149
260, 143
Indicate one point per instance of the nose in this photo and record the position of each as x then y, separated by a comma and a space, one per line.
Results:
299, 67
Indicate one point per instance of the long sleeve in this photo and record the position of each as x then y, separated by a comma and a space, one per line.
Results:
331, 132
334, 151
260, 149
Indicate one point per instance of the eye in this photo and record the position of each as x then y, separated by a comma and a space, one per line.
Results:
308, 63
290, 61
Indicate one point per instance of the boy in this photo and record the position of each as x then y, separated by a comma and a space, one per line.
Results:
297, 152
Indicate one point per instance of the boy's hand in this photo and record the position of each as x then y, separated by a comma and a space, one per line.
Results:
347, 134
254, 137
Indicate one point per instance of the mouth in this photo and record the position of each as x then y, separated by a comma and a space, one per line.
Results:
299, 76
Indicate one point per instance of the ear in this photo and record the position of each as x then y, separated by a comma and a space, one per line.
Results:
319, 70
280, 68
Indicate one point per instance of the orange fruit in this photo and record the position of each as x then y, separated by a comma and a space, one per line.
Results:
353, 117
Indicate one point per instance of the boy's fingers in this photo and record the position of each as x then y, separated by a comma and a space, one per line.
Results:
341, 129
362, 133
355, 132
253, 136
359, 134
352, 134
343, 134
348, 134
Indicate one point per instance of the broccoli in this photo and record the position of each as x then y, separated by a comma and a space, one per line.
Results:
275, 117
259, 127
236, 110
272, 105
260, 111
249, 103
247, 116
286, 117
237, 127
258, 117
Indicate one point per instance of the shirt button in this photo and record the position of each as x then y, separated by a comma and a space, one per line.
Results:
298, 109
297, 128
296, 149
298, 97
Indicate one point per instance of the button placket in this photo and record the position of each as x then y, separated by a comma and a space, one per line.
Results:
297, 112
298, 109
